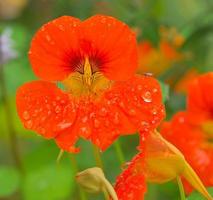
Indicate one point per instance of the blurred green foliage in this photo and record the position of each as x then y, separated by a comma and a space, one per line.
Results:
41, 177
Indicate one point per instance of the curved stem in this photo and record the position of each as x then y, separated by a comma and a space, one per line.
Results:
76, 169
106, 195
110, 190
97, 156
119, 152
181, 189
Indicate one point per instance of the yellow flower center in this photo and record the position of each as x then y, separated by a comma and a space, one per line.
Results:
86, 82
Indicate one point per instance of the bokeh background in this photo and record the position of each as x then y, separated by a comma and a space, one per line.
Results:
175, 44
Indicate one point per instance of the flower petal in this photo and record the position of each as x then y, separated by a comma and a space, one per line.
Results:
128, 107
44, 108
52, 47
130, 184
140, 100
114, 42
200, 96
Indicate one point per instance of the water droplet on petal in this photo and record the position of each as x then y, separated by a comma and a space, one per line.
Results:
139, 87
155, 90
63, 125
26, 115
48, 38
154, 111
96, 123
57, 109
61, 27
85, 131
103, 112
131, 112
28, 124
84, 119
116, 119
147, 97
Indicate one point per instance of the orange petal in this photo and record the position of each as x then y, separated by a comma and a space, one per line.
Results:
128, 107
140, 100
52, 47
130, 184
44, 108
200, 95
114, 42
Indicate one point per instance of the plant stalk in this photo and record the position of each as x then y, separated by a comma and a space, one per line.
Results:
74, 163
181, 189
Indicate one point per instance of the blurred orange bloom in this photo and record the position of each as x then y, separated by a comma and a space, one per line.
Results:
157, 60
95, 60
182, 85
191, 131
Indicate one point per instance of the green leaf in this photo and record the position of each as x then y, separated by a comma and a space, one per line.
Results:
10, 180
198, 196
165, 91
50, 182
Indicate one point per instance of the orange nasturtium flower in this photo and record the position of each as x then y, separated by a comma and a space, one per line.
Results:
191, 131
157, 60
95, 60
157, 162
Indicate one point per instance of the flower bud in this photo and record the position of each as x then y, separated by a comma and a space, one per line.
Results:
164, 162
94, 181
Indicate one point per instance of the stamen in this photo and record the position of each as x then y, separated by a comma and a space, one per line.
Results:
87, 76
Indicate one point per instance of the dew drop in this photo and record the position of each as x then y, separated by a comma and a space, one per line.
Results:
147, 97
85, 131
144, 124
116, 119
96, 123
63, 125
26, 115
84, 119
154, 111
28, 124
155, 90
48, 38
148, 74
103, 112
181, 119
121, 104
57, 109
139, 87
61, 27
103, 20
153, 121
132, 112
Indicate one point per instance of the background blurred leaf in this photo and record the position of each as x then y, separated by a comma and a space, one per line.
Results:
50, 182
9, 181
165, 91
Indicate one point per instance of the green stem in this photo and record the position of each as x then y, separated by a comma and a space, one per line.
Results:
76, 169
119, 152
97, 156
181, 189
9, 119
